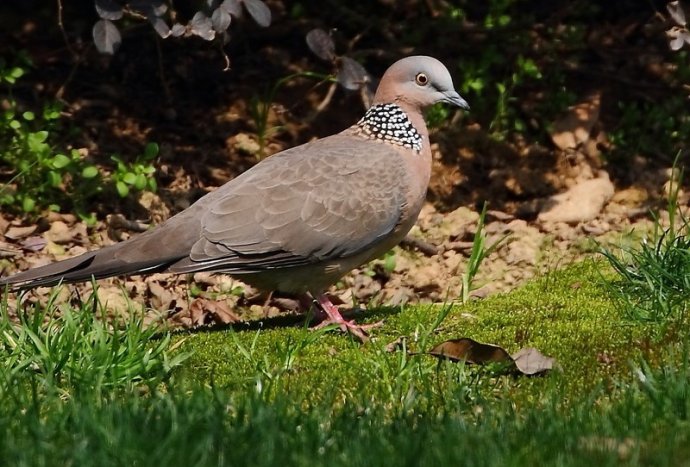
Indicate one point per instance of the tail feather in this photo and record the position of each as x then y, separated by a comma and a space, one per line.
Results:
149, 252
97, 264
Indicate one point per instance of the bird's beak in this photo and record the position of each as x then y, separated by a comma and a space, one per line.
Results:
452, 97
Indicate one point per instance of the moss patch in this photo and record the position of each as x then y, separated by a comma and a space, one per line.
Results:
566, 314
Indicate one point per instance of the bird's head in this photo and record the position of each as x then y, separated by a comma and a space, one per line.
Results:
418, 81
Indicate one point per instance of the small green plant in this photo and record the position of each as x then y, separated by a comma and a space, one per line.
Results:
37, 174
43, 177
667, 117
477, 255
69, 349
505, 115
389, 262
668, 387
437, 115
654, 278
11, 73
260, 109
138, 175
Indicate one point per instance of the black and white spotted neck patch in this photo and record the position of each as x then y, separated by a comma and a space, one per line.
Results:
388, 122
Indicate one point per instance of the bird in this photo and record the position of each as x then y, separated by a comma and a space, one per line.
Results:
300, 219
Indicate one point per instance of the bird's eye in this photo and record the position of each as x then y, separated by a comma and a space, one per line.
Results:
421, 79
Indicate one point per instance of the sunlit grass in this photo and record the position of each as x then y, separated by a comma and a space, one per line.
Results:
77, 391
654, 275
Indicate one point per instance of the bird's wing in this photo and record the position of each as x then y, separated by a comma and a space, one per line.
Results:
332, 198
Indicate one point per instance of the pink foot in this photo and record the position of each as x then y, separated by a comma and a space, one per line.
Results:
333, 316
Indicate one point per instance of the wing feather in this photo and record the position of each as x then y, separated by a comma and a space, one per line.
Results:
331, 198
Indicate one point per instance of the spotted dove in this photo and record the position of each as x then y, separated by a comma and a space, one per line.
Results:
299, 220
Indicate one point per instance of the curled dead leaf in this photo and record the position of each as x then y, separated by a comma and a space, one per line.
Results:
60, 232
161, 297
16, 233
202, 311
397, 344
528, 361
470, 351
8, 250
33, 243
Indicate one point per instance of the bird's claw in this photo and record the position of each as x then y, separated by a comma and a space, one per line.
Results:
360, 331
333, 316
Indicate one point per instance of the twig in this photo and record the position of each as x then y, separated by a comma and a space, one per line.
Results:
118, 221
412, 243
61, 25
161, 72
327, 99
75, 55
459, 246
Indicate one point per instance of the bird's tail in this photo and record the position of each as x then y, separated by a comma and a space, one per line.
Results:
97, 264
150, 252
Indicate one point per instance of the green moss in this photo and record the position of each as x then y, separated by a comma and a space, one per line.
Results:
566, 314
289, 396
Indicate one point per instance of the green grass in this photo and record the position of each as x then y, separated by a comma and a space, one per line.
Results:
76, 391
654, 275
567, 314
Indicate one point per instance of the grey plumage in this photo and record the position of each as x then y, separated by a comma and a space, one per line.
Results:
300, 219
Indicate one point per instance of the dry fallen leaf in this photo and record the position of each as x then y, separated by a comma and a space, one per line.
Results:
59, 232
161, 297
34, 243
528, 361
15, 233
8, 250
203, 310
397, 344
531, 362
469, 350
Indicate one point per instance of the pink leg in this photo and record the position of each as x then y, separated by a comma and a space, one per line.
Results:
333, 316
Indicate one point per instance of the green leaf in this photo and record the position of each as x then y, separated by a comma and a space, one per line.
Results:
122, 189
153, 185
140, 182
54, 179
88, 217
60, 161
51, 112
37, 140
130, 178
15, 124
150, 151
28, 116
16, 72
89, 172
28, 204
389, 262
39, 136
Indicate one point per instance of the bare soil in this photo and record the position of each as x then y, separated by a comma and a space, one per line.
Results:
535, 231
549, 202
